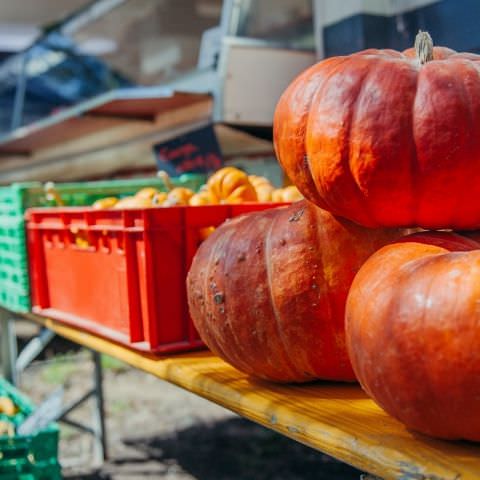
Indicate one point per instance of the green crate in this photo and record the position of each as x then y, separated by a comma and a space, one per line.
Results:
15, 199
37, 471
27, 456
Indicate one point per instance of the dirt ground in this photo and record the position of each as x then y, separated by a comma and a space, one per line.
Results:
157, 430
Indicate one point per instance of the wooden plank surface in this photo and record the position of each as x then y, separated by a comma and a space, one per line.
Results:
337, 419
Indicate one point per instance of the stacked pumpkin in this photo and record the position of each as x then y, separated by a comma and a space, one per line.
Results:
376, 141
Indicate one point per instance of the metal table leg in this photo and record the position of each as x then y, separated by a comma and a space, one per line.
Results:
100, 436
8, 346
13, 364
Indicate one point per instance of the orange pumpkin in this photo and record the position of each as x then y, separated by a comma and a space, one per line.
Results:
413, 332
386, 138
267, 291
204, 197
231, 185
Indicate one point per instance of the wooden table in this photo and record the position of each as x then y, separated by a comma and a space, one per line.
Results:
337, 419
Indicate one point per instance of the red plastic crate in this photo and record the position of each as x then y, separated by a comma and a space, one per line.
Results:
121, 273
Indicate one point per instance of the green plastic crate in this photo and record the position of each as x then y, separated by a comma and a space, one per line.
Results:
29, 457
15, 199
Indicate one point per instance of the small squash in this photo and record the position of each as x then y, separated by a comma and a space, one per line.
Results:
286, 194
147, 193
178, 196
231, 185
159, 198
263, 187
104, 203
133, 202
204, 197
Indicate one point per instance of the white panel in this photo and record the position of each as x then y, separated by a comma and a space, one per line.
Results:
254, 78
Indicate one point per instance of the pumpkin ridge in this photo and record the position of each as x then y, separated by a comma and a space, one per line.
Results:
424, 264
419, 264
290, 363
468, 100
219, 336
310, 190
320, 180
329, 321
414, 164
363, 204
319, 186
459, 199
215, 337
237, 232
353, 119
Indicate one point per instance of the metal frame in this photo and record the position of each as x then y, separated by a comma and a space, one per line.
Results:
13, 363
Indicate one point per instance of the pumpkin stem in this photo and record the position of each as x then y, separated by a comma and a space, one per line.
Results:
165, 177
424, 47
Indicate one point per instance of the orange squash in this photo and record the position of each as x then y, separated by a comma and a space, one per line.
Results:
204, 197
231, 185
413, 332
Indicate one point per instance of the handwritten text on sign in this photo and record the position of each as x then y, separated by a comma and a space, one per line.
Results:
196, 151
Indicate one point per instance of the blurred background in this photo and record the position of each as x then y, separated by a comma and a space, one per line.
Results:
97, 90
66, 65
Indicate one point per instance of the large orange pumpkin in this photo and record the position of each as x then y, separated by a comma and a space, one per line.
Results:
267, 291
413, 332
387, 138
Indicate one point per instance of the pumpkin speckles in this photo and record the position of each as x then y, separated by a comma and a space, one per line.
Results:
271, 311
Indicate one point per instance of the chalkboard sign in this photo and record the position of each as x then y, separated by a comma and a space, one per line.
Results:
196, 152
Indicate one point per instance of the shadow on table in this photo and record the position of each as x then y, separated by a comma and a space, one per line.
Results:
232, 449
97, 475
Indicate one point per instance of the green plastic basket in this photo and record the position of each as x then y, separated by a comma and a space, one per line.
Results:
32, 457
15, 199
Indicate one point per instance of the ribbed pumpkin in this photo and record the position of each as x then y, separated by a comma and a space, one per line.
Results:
231, 185
387, 138
267, 291
413, 332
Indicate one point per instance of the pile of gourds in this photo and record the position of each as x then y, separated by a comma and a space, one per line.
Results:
335, 287
229, 185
